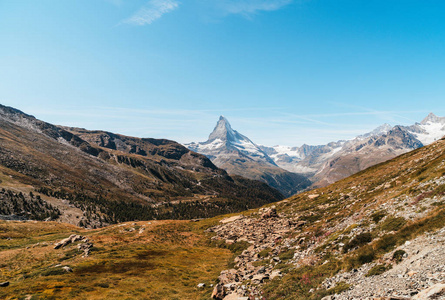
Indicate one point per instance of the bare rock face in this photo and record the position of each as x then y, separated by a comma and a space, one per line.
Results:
71, 239
436, 291
218, 292
85, 248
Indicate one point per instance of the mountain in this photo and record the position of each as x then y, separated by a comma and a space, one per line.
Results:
237, 154
359, 154
325, 164
381, 130
306, 159
431, 129
95, 178
378, 234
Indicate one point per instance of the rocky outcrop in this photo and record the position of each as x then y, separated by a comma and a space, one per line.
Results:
436, 291
266, 234
71, 239
85, 247
419, 275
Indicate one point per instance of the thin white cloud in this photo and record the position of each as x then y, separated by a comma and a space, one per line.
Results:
250, 7
151, 11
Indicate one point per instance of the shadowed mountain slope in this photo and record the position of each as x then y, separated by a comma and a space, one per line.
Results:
112, 178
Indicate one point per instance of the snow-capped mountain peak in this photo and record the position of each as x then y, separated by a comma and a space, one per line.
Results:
381, 130
224, 139
431, 129
432, 118
224, 132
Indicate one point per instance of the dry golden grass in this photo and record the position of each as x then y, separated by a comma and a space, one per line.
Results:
166, 261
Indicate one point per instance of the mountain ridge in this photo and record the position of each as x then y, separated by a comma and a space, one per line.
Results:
320, 163
112, 177
237, 154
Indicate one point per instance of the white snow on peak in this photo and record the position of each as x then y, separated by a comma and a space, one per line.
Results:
430, 132
286, 150
223, 138
431, 129
381, 130
215, 144
432, 118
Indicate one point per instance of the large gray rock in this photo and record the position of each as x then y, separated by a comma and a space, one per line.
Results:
436, 291
218, 292
270, 212
71, 239
235, 296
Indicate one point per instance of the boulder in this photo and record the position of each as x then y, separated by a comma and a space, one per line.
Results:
228, 276
71, 239
235, 296
85, 248
4, 284
433, 292
218, 292
270, 212
67, 269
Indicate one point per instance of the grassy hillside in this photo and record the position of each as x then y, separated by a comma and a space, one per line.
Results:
349, 225
142, 260
357, 220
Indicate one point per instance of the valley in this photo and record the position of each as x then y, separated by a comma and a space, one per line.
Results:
383, 224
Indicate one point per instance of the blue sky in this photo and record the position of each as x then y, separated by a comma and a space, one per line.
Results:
282, 71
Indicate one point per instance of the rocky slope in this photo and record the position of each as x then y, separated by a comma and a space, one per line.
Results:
111, 178
237, 154
378, 234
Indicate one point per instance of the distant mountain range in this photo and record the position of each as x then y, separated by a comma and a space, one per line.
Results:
238, 155
94, 178
321, 164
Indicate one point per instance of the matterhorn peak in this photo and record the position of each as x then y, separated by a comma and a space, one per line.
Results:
223, 131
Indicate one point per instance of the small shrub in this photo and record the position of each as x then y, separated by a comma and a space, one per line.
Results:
264, 252
53, 272
289, 254
283, 267
393, 223
340, 287
358, 241
377, 216
69, 254
366, 257
378, 269
398, 255
363, 256
259, 263
386, 243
